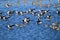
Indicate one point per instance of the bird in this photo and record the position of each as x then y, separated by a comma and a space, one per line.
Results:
10, 27
39, 21
10, 12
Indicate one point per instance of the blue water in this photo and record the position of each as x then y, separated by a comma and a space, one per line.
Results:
32, 31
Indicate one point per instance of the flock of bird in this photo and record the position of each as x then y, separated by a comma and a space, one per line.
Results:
40, 13
26, 20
